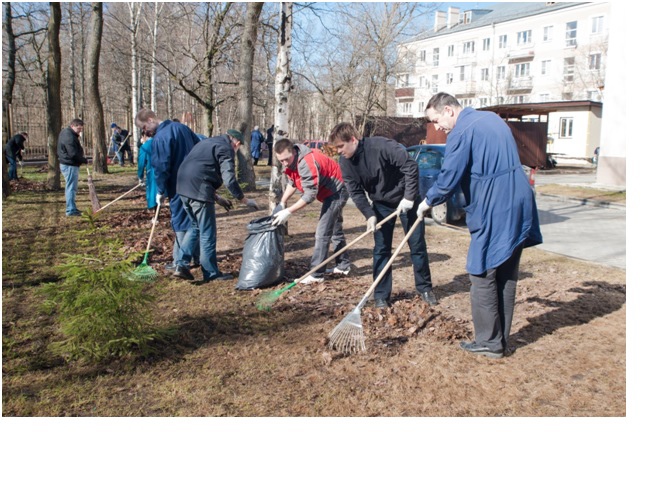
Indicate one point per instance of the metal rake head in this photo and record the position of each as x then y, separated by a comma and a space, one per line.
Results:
348, 336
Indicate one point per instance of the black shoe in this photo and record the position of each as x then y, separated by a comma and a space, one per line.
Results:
473, 347
381, 303
223, 276
182, 272
76, 213
429, 298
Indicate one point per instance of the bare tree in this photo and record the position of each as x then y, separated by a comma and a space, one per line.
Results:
282, 89
135, 9
54, 118
8, 90
96, 116
249, 34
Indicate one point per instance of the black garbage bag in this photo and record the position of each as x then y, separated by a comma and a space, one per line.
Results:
262, 255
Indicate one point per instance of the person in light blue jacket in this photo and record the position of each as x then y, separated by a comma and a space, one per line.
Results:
144, 166
501, 215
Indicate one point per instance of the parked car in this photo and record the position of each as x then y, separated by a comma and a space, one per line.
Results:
429, 158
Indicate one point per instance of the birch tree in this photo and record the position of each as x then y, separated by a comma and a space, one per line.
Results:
135, 9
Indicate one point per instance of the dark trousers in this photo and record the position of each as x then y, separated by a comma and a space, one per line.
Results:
493, 302
383, 250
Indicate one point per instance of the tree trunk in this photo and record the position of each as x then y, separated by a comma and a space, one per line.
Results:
282, 89
96, 116
249, 34
8, 90
157, 12
73, 87
135, 10
54, 118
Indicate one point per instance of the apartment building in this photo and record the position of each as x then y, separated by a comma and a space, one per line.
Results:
514, 53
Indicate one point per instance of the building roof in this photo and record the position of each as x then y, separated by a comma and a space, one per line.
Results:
519, 110
498, 13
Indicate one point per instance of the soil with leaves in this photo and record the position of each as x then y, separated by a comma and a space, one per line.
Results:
219, 355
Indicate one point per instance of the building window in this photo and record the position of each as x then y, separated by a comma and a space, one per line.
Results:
436, 56
595, 61
544, 97
484, 102
522, 70
500, 72
466, 17
520, 99
571, 34
524, 37
503, 41
484, 74
566, 127
449, 78
420, 107
597, 25
593, 95
486, 44
422, 82
469, 47
450, 51
462, 72
569, 69
434, 83
545, 67
547, 34
403, 80
422, 55
406, 108
500, 100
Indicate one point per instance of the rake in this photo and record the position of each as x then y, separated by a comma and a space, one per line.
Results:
95, 203
114, 201
266, 300
144, 272
348, 336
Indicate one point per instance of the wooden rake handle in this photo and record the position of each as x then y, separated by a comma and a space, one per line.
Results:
391, 260
367, 232
124, 194
153, 227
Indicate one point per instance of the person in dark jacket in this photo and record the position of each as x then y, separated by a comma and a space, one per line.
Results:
171, 142
255, 144
481, 156
269, 143
380, 169
122, 141
71, 157
13, 151
210, 164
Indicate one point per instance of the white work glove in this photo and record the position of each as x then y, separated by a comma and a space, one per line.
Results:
371, 223
281, 217
422, 209
405, 205
159, 199
252, 204
140, 181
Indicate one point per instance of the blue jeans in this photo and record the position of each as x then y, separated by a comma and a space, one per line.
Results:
12, 168
71, 174
383, 250
202, 215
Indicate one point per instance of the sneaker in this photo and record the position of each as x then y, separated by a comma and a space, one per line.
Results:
223, 276
170, 268
429, 298
473, 347
381, 303
311, 279
338, 271
182, 272
76, 213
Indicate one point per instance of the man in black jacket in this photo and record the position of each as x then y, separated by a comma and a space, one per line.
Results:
71, 157
380, 169
206, 167
13, 152
122, 141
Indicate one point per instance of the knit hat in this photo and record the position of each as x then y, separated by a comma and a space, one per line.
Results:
114, 125
236, 134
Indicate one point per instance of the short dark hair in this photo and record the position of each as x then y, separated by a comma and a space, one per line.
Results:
76, 122
440, 100
282, 145
344, 132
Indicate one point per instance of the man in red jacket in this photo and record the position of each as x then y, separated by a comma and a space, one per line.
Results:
318, 177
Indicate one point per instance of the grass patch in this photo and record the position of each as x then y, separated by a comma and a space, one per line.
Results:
586, 193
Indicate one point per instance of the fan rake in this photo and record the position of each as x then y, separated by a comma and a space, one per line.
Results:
144, 272
348, 336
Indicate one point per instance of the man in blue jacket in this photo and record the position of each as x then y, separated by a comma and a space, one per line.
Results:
501, 214
210, 164
379, 169
172, 141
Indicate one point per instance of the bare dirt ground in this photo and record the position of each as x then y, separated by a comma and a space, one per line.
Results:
229, 358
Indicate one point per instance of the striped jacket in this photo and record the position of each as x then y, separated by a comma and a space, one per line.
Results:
316, 175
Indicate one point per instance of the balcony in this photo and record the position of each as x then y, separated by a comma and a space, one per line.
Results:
522, 84
462, 89
406, 92
520, 55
